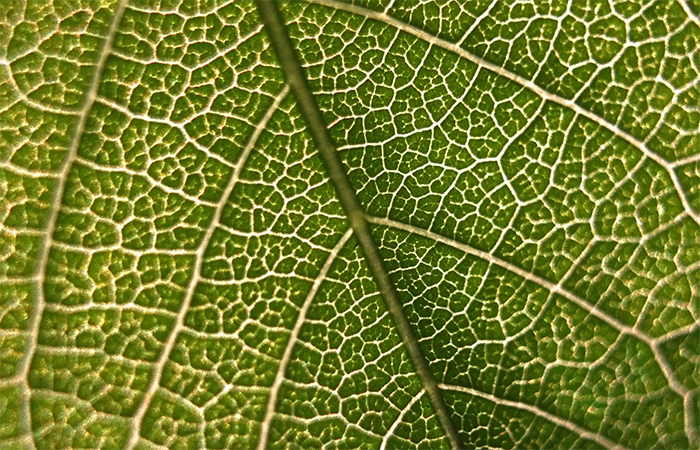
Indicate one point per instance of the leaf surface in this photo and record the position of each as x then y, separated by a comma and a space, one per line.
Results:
177, 269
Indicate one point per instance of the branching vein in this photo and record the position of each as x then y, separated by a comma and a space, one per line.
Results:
294, 74
602, 440
199, 260
45, 247
287, 356
557, 288
529, 84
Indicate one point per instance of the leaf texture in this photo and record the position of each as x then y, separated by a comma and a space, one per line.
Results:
178, 271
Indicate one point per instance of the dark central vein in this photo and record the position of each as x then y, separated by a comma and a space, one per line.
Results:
294, 74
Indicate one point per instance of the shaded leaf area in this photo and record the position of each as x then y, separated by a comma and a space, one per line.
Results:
530, 172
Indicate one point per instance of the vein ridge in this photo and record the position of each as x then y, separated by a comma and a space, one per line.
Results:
528, 84
287, 356
294, 74
137, 419
556, 288
689, 11
398, 420
39, 277
605, 442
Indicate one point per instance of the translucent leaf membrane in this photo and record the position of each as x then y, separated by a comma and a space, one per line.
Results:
176, 270
511, 340
168, 300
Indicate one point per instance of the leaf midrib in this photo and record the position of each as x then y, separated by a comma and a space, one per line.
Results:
276, 29
557, 288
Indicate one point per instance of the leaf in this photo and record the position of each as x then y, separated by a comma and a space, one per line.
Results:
508, 256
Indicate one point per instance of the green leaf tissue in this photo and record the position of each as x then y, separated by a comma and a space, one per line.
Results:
350, 224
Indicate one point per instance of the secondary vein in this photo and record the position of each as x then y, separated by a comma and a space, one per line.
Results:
137, 420
557, 288
528, 84
294, 74
571, 426
287, 356
39, 300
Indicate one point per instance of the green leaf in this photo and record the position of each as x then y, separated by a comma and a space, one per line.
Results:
507, 254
